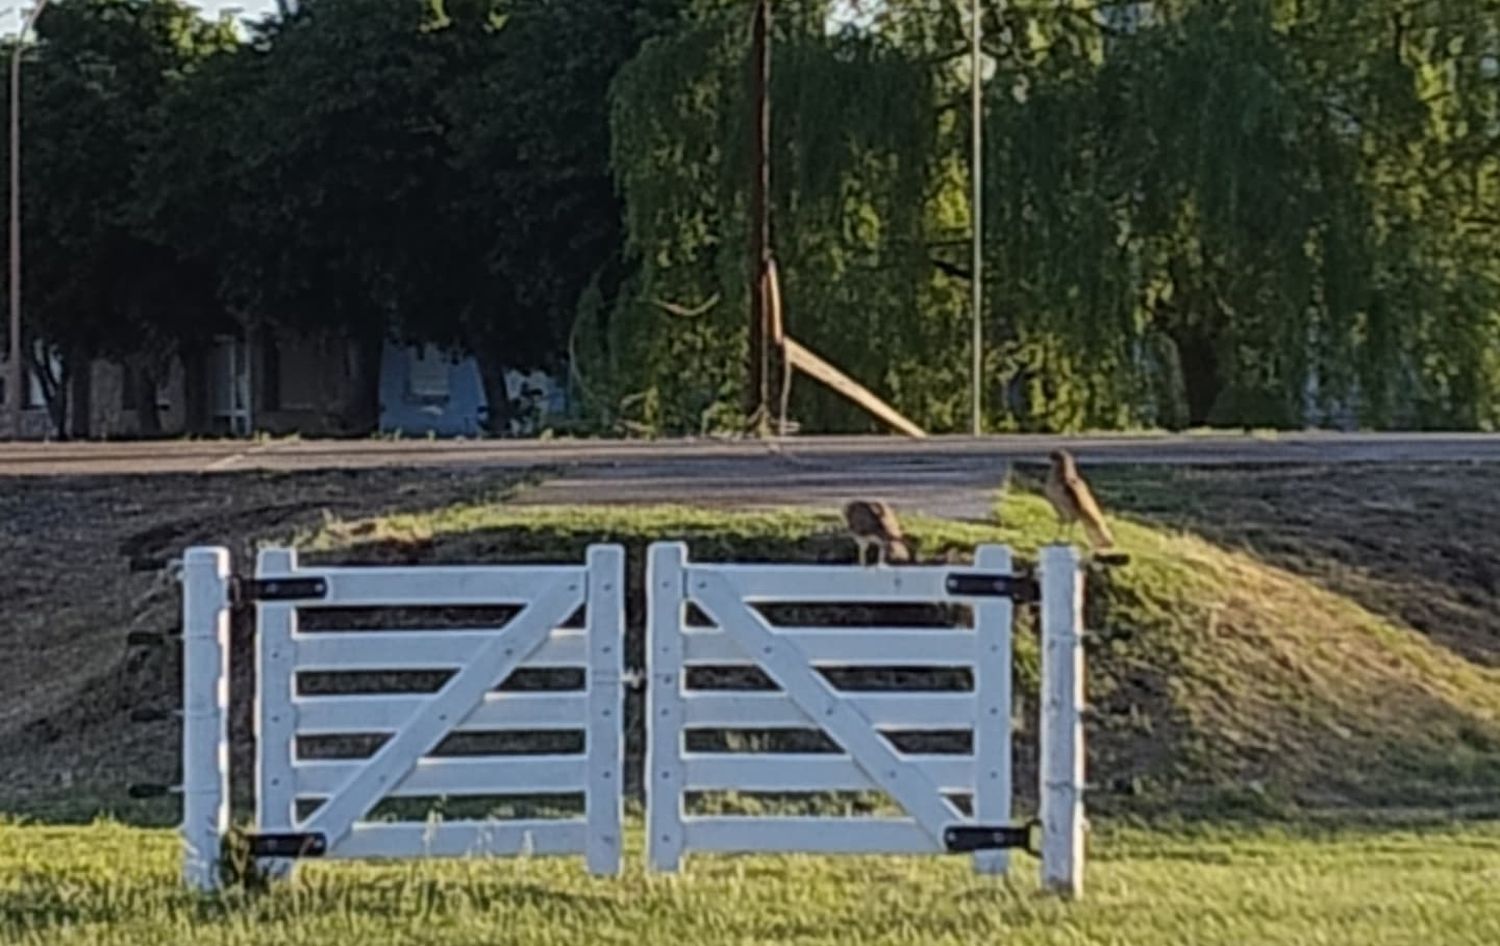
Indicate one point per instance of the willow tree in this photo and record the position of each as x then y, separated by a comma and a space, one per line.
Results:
855, 172
1260, 212
1251, 213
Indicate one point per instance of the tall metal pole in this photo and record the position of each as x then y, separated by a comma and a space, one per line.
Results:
759, 394
17, 393
976, 174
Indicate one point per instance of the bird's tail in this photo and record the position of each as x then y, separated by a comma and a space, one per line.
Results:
899, 551
1098, 533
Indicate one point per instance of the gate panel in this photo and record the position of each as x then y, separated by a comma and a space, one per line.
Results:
412, 725
792, 657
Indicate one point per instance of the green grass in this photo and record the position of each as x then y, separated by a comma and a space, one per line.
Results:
107, 884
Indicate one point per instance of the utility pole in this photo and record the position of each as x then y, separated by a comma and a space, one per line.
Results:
17, 392
758, 396
976, 173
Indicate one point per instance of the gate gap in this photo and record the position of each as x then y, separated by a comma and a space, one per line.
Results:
446, 618
828, 804
865, 615
463, 745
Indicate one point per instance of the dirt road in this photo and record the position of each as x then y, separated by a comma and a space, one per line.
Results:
949, 476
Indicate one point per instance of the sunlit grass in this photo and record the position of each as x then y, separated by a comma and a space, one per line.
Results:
110, 884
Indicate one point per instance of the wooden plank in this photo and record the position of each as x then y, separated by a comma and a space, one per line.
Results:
992, 689
430, 586
664, 773
888, 710
461, 839
808, 772
495, 661
810, 835
507, 711
448, 775
908, 785
374, 651
845, 647
605, 796
814, 367
841, 584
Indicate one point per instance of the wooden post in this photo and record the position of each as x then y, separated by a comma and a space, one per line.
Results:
205, 714
666, 563
275, 711
604, 798
993, 618
1062, 768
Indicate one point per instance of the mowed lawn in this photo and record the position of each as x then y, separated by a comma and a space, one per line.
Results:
112, 884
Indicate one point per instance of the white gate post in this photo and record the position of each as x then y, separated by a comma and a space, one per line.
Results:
205, 714
605, 795
1062, 763
992, 723
663, 780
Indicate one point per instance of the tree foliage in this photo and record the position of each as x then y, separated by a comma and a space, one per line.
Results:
1243, 212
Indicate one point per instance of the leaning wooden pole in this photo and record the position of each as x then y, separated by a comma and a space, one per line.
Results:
758, 395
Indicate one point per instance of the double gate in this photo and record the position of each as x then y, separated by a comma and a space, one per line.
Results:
348, 748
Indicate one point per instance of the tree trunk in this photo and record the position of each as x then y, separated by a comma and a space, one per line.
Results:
148, 418
83, 402
54, 390
496, 395
1200, 374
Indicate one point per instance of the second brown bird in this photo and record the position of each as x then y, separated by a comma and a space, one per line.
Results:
1073, 502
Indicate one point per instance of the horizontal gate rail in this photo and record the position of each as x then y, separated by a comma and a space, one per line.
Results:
363, 651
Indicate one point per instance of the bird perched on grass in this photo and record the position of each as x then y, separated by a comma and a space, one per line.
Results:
1071, 499
872, 522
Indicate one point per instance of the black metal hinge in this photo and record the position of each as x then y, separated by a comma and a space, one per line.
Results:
1020, 588
965, 838
287, 845
251, 590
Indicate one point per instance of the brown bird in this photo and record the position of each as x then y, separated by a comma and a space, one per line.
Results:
874, 523
1071, 499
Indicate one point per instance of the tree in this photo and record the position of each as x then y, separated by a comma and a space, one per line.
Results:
93, 286
855, 180
417, 171
529, 124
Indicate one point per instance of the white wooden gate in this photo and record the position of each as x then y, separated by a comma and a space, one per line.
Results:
857, 721
345, 790
341, 792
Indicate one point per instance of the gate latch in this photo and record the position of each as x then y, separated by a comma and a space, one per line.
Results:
288, 845
1019, 588
965, 838
251, 590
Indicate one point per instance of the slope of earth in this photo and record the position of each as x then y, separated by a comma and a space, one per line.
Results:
1417, 543
1221, 681
80, 567
1214, 678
